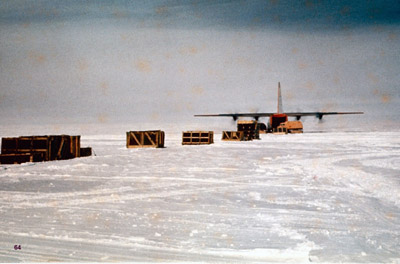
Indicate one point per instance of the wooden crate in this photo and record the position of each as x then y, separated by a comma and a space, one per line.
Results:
197, 137
64, 147
20, 145
145, 139
21, 158
291, 126
280, 130
48, 147
232, 135
250, 129
86, 152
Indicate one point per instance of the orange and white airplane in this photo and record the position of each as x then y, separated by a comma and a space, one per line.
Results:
275, 119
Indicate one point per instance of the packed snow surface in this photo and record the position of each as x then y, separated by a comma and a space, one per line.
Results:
307, 197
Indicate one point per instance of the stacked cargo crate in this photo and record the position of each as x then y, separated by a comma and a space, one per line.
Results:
250, 129
16, 150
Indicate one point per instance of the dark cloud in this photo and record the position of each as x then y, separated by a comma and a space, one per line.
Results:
253, 14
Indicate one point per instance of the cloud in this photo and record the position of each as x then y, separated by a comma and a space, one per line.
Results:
223, 14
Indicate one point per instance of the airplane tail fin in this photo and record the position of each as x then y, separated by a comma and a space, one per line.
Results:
280, 108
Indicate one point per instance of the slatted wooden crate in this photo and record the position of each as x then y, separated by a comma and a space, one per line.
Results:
291, 127
197, 137
145, 139
64, 147
42, 148
20, 158
232, 135
280, 130
250, 129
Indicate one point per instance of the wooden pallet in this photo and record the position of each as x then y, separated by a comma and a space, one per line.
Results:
145, 139
232, 135
57, 147
197, 137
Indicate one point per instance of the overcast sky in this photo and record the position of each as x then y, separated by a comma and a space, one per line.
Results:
156, 61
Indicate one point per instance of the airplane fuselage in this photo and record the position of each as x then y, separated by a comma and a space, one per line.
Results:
276, 119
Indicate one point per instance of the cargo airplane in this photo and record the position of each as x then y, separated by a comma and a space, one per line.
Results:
275, 119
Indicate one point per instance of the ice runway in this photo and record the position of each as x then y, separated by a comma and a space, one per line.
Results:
309, 197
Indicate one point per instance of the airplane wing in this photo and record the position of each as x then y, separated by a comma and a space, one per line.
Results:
237, 115
298, 115
319, 115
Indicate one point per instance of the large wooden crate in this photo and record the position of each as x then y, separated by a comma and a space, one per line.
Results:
289, 127
232, 135
64, 147
145, 139
250, 129
47, 147
197, 137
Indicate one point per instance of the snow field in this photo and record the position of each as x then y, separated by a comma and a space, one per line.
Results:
299, 198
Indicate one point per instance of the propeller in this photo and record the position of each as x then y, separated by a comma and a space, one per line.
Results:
298, 109
234, 117
319, 116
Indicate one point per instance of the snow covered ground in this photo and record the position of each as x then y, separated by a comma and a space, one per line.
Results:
308, 197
